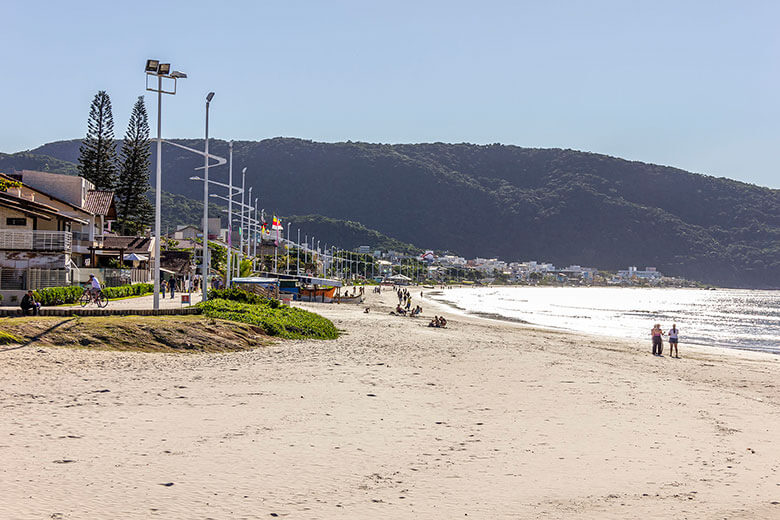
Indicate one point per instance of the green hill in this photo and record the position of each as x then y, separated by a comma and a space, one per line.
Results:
344, 234
554, 205
30, 161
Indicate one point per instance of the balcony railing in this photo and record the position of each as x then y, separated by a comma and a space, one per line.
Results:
35, 240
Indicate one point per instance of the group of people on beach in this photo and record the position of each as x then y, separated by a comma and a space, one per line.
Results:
657, 334
438, 322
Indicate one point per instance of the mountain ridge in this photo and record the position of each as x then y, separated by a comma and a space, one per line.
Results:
555, 205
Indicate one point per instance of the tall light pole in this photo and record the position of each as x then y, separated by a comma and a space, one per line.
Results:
249, 224
287, 271
298, 254
230, 218
204, 283
243, 226
258, 232
160, 70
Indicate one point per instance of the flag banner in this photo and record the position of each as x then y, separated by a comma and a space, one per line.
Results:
277, 224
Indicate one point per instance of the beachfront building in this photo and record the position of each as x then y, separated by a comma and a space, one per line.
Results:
650, 274
451, 261
189, 232
577, 272
36, 242
71, 243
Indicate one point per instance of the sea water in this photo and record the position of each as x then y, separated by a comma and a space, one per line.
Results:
741, 319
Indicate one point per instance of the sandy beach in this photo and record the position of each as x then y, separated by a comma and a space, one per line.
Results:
484, 419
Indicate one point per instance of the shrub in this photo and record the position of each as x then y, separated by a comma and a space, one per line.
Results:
58, 295
123, 291
285, 322
238, 295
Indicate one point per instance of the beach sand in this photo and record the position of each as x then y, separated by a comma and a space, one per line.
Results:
484, 419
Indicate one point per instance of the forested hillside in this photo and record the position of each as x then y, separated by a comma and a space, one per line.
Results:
555, 205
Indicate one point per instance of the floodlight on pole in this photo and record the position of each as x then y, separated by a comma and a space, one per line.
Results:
154, 68
205, 280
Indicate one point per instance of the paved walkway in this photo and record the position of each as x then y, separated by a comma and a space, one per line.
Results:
147, 302
142, 302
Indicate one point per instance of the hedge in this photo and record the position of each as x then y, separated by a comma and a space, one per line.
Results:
71, 294
240, 295
285, 322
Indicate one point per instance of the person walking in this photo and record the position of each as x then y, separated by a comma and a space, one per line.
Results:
673, 335
658, 343
172, 286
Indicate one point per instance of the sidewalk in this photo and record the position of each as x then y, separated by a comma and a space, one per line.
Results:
139, 303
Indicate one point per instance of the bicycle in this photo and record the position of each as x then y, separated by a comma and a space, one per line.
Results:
87, 298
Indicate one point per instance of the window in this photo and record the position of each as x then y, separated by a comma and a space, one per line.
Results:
15, 221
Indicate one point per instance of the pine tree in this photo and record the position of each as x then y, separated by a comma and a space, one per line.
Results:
134, 209
97, 159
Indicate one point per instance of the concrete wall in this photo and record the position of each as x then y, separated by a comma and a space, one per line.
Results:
66, 187
34, 259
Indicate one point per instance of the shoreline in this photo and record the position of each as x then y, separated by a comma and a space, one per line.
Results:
454, 307
392, 420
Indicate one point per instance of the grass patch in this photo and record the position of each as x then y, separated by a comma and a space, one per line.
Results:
281, 321
191, 333
7, 339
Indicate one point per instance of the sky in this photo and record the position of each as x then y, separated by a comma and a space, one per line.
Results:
690, 84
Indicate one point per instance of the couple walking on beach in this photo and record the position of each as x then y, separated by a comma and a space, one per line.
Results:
658, 343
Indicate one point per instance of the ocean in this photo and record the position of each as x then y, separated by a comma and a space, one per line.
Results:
738, 319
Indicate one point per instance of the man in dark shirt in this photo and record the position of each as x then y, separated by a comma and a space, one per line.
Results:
29, 305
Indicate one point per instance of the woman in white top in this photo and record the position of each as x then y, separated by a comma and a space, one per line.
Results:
673, 333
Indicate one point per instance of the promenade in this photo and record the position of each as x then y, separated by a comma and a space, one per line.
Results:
130, 304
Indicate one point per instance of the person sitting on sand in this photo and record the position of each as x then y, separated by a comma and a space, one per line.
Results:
673, 334
434, 322
442, 322
658, 342
29, 305
399, 310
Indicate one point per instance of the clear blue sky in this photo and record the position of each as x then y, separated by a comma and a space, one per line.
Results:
692, 84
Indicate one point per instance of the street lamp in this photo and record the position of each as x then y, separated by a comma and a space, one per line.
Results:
232, 190
288, 248
243, 226
205, 280
160, 70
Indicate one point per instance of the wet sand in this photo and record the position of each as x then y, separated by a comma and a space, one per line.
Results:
484, 419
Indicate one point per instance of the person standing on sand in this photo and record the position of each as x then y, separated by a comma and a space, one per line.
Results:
673, 334
658, 342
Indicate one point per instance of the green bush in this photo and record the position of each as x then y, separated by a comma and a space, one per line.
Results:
123, 291
58, 295
239, 295
285, 322
71, 294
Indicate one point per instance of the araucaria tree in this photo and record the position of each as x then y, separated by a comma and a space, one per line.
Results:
97, 159
134, 209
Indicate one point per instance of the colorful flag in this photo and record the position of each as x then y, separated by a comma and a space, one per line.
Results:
277, 224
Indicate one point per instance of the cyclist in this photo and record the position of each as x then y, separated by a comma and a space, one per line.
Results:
94, 289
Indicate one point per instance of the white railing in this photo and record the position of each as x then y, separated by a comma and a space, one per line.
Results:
36, 240
32, 278
111, 277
